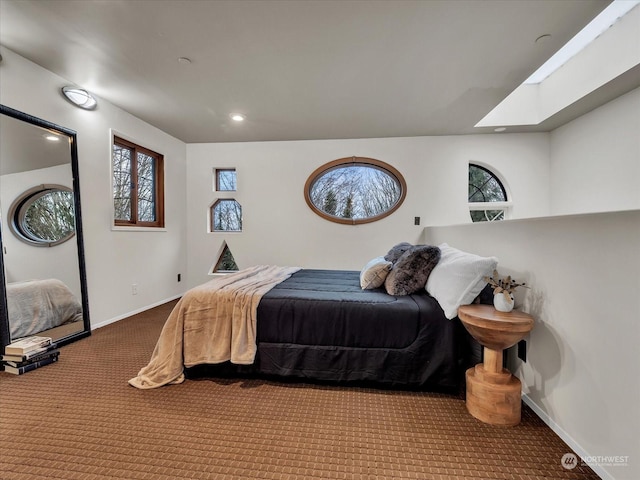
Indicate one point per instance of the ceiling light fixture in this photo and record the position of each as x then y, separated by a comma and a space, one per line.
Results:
500, 129
184, 60
237, 117
79, 97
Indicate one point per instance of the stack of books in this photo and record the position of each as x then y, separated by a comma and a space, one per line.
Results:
28, 354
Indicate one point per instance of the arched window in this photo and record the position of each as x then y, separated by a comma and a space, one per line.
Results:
43, 216
355, 190
488, 199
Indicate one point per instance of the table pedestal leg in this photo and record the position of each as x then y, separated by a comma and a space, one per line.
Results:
493, 394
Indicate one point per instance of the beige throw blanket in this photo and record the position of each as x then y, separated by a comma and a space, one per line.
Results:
212, 323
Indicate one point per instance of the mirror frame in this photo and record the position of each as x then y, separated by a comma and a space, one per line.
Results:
5, 333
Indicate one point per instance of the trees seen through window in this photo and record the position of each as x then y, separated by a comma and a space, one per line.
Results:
355, 190
487, 195
138, 188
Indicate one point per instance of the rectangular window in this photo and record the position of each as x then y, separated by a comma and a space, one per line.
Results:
138, 185
226, 180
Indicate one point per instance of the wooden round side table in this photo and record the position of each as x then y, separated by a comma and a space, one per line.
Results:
493, 393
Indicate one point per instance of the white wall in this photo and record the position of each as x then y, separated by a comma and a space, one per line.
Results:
114, 259
581, 372
595, 159
279, 227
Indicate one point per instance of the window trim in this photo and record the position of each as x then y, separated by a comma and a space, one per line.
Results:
356, 161
134, 224
505, 206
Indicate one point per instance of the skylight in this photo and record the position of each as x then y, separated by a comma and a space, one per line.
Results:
609, 16
593, 59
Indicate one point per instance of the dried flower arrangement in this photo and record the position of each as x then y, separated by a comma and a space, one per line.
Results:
506, 286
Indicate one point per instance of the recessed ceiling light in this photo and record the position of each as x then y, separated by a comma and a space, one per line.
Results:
79, 97
543, 38
500, 129
237, 117
184, 60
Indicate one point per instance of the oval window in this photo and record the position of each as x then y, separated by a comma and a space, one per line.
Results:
43, 216
355, 190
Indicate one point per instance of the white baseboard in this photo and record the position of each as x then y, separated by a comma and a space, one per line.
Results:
139, 310
575, 446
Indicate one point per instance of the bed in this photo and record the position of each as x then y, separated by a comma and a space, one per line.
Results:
318, 324
37, 305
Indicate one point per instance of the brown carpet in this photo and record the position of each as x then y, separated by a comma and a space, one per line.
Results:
79, 419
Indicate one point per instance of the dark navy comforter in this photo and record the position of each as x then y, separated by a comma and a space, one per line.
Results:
319, 324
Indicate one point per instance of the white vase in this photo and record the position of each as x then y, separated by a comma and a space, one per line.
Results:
501, 304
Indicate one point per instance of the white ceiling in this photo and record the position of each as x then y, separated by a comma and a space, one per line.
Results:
24, 147
306, 69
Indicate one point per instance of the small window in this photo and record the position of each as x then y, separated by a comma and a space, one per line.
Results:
43, 216
226, 262
355, 190
488, 200
225, 180
226, 216
138, 185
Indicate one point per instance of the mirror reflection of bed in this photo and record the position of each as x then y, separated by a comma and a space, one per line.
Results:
43, 285
42, 307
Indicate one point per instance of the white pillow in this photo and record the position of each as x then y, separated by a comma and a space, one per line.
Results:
458, 278
374, 273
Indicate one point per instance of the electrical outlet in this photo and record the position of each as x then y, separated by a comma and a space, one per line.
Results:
179, 277
416, 220
134, 289
522, 350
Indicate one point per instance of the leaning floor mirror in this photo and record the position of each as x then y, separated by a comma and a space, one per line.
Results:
43, 287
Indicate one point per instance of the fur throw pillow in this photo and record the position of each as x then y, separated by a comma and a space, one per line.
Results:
410, 273
396, 252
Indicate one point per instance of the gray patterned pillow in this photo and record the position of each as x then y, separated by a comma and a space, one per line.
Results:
396, 252
410, 273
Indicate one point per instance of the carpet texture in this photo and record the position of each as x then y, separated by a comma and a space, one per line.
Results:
79, 419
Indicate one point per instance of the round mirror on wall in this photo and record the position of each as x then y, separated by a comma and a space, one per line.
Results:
43, 216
